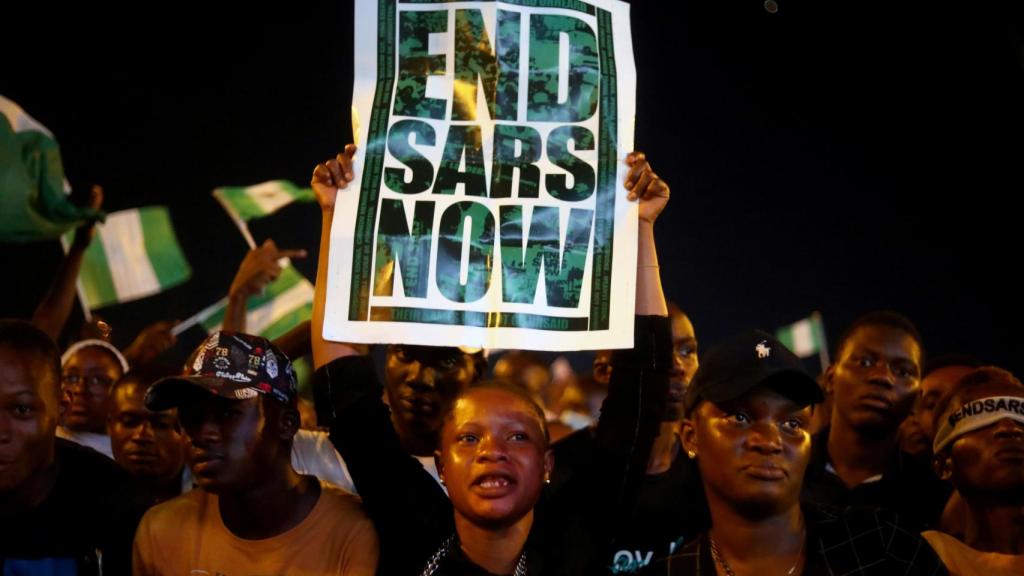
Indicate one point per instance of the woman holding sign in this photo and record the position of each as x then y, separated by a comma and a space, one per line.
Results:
493, 455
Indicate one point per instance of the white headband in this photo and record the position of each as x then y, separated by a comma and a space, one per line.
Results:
978, 414
98, 343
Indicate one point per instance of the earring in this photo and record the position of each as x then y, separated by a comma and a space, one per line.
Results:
547, 479
691, 454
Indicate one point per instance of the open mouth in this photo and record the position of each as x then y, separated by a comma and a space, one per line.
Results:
493, 485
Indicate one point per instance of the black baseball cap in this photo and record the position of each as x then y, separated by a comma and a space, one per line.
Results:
751, 358
231, 365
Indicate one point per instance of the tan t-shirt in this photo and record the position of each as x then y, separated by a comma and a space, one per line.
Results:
962, 560
186, 535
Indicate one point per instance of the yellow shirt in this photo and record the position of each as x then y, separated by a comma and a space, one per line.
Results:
186, 535
962, 560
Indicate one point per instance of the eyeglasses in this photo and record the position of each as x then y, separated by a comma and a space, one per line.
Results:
92, 383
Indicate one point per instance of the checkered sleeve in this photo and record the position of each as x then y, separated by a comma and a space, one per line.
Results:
862, 541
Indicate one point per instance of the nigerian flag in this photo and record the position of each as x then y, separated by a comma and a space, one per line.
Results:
245, 203
34, 202
284, 304
134, 254
805, 337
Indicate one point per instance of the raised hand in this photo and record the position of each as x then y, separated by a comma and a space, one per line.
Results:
332, 175
644, 184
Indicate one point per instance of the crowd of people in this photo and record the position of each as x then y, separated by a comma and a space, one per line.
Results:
663, 460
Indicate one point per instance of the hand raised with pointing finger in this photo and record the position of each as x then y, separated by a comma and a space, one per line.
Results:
259, 268
332, 175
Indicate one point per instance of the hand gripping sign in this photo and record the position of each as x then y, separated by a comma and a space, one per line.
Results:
489, 209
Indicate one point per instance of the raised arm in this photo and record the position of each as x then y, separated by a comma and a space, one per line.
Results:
328, 178
653, 194
409, 509
151, 342
260, 267
630, 415
52, 313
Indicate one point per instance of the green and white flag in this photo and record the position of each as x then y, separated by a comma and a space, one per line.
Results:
134, 254
286, 303
805, 338
245, 203
34, 202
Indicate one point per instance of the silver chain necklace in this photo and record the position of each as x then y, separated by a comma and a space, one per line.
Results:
717, 555
435, 561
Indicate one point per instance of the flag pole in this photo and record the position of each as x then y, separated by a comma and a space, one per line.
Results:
242, 226
199, 316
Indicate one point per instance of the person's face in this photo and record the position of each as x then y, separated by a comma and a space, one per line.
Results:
912, 437
602, 368
88, 375
752, 452
231, 442
988, 461
684, 365
493, 457
875, 380
421, 382
533, 377
146, 444
29, 410
933, 386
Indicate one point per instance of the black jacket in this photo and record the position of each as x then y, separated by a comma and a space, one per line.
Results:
413, 515
854, 541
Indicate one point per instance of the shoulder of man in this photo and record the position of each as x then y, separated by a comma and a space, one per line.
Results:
170, 515
104, 484
337, 498
340, 384
73, 456
340, 515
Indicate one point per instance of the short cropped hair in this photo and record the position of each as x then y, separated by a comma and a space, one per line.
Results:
512, 388
24, 337
885, 318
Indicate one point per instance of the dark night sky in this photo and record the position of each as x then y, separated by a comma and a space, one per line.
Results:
836, 156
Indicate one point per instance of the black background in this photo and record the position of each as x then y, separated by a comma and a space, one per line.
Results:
833, 156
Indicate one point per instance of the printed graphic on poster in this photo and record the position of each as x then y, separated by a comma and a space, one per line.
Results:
488, 208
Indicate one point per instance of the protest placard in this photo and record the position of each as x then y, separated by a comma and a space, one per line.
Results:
488, 208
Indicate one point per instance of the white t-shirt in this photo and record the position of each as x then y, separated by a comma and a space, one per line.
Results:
313, 454
98, 442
